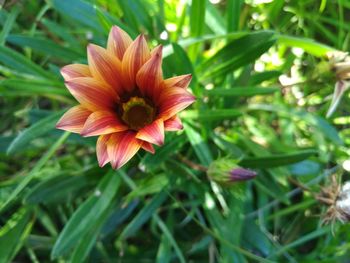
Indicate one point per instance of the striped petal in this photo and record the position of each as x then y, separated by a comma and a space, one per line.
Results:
148, 147
75, 71
91, 93
73, 120
135, 56
105, 66
174, 100
122, 147
118, 42
173, 124
150, 75
153, 133
179, 81
102, 122
101, 150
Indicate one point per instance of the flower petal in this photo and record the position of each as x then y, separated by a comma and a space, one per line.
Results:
153, 133
101, 150
150, 75
134, 57
179, 81
118, 42
122, 147
174, 100
173, 124
73, 120
148, 147
105, 66
75, 71
91, 93
102, 122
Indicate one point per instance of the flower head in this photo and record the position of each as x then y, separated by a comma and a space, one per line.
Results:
225, 171
123, 98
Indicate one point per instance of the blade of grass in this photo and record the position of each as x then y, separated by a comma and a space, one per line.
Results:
40, 164
10, 21
18, 62
14, 233
87, 217
36, 130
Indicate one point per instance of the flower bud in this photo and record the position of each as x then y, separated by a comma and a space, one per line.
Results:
226, 171
241, 174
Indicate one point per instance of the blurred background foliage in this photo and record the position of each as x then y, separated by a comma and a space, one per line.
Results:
263, 87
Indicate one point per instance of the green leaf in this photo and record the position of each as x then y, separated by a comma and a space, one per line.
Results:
178, 63
14, 233
17, 61
30, 87
277, 160
243, 91
136, 14
260, 77
237, 53
233, 14
87, 216
36, 130
78, 11
197, 18
55, 189
304, 238
309, 45
86, 242
200, 146
172, 145
143, 216
214, 20
211, 115
33, 172
170, 237
149, 185
45, 46
10, 21
197, 23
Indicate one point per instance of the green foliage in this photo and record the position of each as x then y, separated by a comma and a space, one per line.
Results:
263, 86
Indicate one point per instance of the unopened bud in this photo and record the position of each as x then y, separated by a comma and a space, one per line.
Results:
226, 171
241, 174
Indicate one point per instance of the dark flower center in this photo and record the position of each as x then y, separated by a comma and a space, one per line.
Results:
137, 113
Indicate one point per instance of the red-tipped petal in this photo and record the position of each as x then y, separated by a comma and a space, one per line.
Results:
122, 147
75, 71
153, 133
105, 66
150, 75
134, 57
91, 93
101, 150
118, 42
179, 81
148, 147
102, 122
173, 124
73, 120
174, 100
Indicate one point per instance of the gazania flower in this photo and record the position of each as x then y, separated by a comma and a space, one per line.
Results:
123, 98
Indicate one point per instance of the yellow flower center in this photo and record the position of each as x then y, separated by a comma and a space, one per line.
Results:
137, 113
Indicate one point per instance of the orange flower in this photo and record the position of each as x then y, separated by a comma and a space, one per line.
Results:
123, 98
